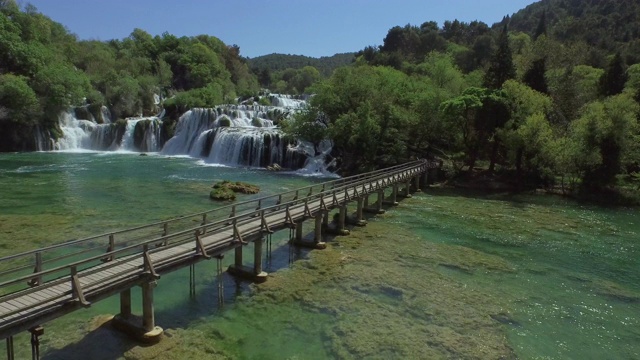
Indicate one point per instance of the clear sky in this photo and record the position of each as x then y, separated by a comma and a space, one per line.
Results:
301, 27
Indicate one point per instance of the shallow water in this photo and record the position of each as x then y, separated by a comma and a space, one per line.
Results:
443, 275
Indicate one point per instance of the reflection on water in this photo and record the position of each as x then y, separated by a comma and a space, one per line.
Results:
443, 275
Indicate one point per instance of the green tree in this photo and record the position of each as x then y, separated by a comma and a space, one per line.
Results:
605, 140
535, 76
18, 102
501, 67
613, 80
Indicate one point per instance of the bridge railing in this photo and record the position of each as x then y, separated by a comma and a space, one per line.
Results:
54, 263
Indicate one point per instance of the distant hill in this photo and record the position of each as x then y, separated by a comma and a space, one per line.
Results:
278, 62
606, 25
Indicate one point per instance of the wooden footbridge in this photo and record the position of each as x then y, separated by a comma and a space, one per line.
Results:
43, 284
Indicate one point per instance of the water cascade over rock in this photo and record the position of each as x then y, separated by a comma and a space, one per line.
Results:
133, 134
236, 135
233, 135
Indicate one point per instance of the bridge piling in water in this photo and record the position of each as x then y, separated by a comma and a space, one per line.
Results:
407, 189
10, 353
360, 221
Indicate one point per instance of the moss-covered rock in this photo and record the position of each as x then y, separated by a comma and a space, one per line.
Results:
222, 194
224, 122
226, 190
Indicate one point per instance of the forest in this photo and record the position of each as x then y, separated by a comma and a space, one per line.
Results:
547, 97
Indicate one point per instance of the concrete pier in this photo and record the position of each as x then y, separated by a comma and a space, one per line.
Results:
143, 328
254, 273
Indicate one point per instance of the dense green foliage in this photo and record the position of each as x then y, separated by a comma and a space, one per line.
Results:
529, 107
280, 62
45, 70
295, 74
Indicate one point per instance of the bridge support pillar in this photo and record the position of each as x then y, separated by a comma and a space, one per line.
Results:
379, 209
359, 211
317, 234
425, 179
142, 329
148, 315
125, 304
407, 190
342, 220
238, 256
394, 195
10, 353
246, 272
325, 220
298, 238
366, 201
257, 257
417, 182
35, 331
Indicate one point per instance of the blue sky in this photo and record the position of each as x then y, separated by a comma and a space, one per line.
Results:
260, 27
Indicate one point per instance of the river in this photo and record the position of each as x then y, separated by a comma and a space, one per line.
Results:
443, 275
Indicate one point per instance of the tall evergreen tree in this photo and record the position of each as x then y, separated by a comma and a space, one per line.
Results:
613, 80
534, 77
501, 67
542, 26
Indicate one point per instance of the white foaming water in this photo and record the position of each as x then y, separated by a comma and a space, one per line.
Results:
230, 135
76, 133
288, 101
82, 135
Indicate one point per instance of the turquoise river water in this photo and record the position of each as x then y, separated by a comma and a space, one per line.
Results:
444, 275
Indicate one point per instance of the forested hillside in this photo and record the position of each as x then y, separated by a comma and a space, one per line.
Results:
278, 62
605, 26
295, 73
536, 102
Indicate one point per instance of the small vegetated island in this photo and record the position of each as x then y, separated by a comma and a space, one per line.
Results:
226, 190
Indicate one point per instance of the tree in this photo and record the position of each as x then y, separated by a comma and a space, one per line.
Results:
535, 76
501, 67
18, 102
613, 80
310, 125
605, 140
542, 26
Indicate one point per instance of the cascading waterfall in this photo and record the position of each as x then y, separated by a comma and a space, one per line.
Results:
234, 135
141, 134
76, 133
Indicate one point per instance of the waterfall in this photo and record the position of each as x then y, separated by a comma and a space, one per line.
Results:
106, 115
43, 140
234, 135
257, 147
140, 134
76, 133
